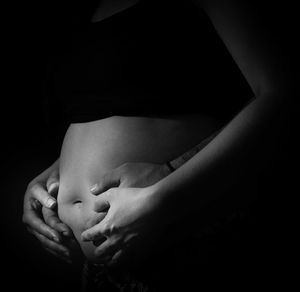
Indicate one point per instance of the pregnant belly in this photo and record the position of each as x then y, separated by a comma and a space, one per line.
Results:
92, 149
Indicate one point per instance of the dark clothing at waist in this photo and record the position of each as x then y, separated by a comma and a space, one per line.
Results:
146, 60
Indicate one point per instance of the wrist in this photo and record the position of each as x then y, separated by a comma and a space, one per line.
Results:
179, 161
158, 202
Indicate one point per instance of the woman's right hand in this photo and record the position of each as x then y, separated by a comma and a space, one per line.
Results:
40, 215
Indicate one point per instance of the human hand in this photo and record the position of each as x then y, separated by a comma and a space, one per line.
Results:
129, 175
40, 216
128, 225
132, 174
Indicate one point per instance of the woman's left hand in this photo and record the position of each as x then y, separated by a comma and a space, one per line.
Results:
131, 216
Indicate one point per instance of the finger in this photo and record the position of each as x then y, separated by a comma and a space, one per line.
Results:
39, 193
53, 177
101, 204
107, 181
53, 183
53, 189
55, 247
63, 258
96, 232
117, 258
35, 223
99, 241
107, 248
95, 219
53, 221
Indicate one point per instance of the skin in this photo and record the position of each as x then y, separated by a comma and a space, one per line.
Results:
245, 142
251, 45
40, 216
55, 236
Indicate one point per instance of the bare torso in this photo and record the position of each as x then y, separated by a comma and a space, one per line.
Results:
91, 149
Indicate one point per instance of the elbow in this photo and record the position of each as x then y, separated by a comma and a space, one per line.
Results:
276, 88
276, 97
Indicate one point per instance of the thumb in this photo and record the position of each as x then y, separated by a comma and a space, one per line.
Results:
40, 194
96, 232
107, 181
101, 204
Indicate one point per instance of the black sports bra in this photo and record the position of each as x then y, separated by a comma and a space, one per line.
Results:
151, 59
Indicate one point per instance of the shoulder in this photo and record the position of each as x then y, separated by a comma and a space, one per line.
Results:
250, 30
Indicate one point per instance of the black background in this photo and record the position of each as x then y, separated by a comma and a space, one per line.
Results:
33, 31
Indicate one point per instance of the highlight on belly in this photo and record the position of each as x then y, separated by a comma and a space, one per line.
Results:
92, 149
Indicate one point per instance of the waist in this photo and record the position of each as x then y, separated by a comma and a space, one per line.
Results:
92, 149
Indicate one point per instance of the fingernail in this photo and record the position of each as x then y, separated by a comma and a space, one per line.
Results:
94, 188
66, 233
52, 186
50, 202
84, 238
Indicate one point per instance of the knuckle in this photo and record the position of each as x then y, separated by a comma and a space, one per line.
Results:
109, 229
87, 235
113, 229
33, 190
54, 223
29, 190
110, 192
30, 184
106, 228
34, 187
48, 220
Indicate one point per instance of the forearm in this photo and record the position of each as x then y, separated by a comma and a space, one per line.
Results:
221, 163
182, 159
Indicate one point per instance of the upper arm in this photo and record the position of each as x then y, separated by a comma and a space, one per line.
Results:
250, 33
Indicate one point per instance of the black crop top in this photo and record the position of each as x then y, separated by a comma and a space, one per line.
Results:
154, 58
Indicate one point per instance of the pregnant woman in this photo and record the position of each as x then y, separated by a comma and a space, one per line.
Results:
144, 83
